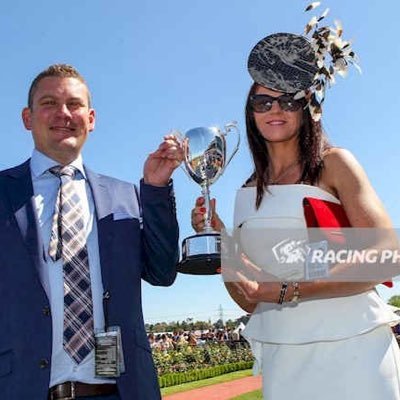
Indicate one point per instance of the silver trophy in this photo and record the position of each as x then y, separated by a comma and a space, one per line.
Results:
205, 161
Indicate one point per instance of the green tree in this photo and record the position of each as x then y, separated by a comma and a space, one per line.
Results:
202, 325
394, 301
230, 324
219, 324
160, 327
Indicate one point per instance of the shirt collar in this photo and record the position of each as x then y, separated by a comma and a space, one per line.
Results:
40, 164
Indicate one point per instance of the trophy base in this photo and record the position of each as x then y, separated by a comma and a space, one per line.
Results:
201, 255
207, 264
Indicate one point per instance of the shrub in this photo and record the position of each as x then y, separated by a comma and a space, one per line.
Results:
172, 379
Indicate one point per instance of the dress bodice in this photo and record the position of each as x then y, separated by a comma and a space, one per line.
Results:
277, 227
281, 201
310, 320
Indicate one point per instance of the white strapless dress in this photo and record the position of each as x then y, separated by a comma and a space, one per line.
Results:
329, 349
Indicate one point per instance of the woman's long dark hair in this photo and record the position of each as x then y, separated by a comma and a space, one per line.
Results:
312, 144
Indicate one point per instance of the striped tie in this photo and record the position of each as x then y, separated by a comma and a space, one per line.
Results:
68, 241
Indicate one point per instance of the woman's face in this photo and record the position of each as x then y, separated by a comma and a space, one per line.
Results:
277, 125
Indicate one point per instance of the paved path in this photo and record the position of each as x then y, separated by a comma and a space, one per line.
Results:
220, 391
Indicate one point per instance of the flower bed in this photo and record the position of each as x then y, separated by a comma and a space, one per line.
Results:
189, 363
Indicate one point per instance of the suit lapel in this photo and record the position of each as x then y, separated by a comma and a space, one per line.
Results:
101, 195
20, 195
104, 218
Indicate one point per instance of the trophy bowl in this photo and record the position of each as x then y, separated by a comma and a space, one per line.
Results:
205, 160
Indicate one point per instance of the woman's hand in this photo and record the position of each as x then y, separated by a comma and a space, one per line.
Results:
255, 285
251, 285
198, 216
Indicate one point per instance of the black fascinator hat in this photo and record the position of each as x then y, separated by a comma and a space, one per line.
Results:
303, 64
284, 62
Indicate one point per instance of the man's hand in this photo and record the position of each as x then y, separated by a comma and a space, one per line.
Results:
160, 164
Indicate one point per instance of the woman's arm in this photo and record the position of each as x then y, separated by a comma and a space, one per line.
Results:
344, 177
198, 224
239, 298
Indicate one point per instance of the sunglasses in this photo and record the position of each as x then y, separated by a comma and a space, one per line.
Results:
261, 103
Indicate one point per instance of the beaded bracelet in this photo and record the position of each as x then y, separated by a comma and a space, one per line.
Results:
282, 293
296, 292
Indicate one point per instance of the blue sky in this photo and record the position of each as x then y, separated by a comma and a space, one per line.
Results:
153, 66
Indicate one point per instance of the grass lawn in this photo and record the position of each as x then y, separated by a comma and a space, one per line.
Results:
256, 395
206, 382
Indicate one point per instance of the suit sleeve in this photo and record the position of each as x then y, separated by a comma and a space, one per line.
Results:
160, 234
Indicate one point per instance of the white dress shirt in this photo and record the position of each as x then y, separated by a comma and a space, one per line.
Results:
45, 188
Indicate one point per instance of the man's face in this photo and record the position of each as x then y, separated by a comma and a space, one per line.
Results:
60, 118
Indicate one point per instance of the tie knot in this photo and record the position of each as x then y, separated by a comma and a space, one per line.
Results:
67, 170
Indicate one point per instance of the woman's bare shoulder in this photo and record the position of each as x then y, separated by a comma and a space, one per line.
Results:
339, 165
345, 176
338, 155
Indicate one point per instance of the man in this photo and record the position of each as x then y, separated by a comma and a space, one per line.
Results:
75, 245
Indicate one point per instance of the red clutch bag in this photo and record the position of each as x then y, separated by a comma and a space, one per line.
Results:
326, 214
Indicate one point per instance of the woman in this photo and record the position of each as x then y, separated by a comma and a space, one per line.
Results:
313, 340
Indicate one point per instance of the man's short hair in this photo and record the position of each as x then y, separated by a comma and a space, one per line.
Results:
56, 71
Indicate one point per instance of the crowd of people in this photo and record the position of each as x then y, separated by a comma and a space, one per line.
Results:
174, 340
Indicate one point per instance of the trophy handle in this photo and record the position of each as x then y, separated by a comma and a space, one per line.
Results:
181, 140
232, 126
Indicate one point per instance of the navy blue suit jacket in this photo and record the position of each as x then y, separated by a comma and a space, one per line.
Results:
127, 254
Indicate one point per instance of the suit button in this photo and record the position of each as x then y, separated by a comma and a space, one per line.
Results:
46, 311
43, 363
